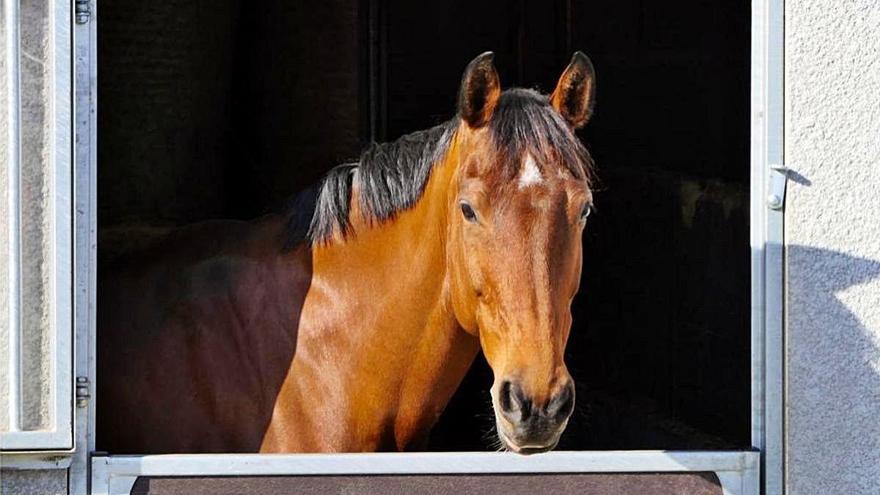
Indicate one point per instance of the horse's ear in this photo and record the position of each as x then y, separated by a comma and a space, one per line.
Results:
480, 90
575, 92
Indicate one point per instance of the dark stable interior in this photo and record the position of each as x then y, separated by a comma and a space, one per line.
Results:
225, 108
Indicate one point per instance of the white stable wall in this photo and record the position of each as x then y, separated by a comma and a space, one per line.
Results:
832, 235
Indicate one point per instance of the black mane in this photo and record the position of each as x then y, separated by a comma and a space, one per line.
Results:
391, 177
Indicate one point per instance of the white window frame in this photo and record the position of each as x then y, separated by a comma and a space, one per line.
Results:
741, 472
58, 435
767, 200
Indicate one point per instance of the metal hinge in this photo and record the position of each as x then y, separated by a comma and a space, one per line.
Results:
776, 192
82, 391
82, 10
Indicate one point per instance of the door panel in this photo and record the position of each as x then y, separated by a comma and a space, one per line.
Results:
36, 238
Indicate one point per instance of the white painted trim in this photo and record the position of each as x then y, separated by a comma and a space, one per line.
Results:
62, 214
12, 20
59, 437
757, 220
766, 240
112, 475
35, 460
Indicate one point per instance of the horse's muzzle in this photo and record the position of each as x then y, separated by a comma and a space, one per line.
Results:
525, 427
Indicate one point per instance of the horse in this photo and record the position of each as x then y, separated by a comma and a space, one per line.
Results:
346, 322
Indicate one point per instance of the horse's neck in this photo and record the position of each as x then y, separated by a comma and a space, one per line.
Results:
387, 289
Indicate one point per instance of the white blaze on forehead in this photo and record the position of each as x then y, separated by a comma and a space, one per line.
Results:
529, 173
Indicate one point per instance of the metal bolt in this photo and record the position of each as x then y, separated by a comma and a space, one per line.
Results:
82, 391
774, 201
82, 11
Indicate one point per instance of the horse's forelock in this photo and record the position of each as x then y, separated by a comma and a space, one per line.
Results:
524, 123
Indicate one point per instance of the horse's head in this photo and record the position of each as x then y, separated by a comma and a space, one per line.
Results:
517, 212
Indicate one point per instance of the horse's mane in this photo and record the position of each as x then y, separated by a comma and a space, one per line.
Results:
391, 177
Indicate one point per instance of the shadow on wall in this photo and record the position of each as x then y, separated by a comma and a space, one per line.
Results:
833, 369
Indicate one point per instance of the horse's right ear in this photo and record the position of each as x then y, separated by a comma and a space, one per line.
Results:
575, 92
480, 90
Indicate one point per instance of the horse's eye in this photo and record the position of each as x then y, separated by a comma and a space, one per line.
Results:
588, 208
468, 212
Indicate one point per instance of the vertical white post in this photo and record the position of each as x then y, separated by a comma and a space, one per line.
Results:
13, 170
767, 242
85, 241
774, 340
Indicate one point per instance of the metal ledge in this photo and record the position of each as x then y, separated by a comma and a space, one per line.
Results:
737, 471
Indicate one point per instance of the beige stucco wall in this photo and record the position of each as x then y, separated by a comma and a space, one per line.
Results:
832, 233
33, 482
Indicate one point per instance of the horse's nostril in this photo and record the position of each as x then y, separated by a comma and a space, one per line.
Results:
504, 396
563, 404
514, 405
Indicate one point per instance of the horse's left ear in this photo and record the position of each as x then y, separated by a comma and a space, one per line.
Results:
480, 90
575, 92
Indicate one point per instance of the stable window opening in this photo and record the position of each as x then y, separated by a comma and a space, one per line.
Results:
228, 109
